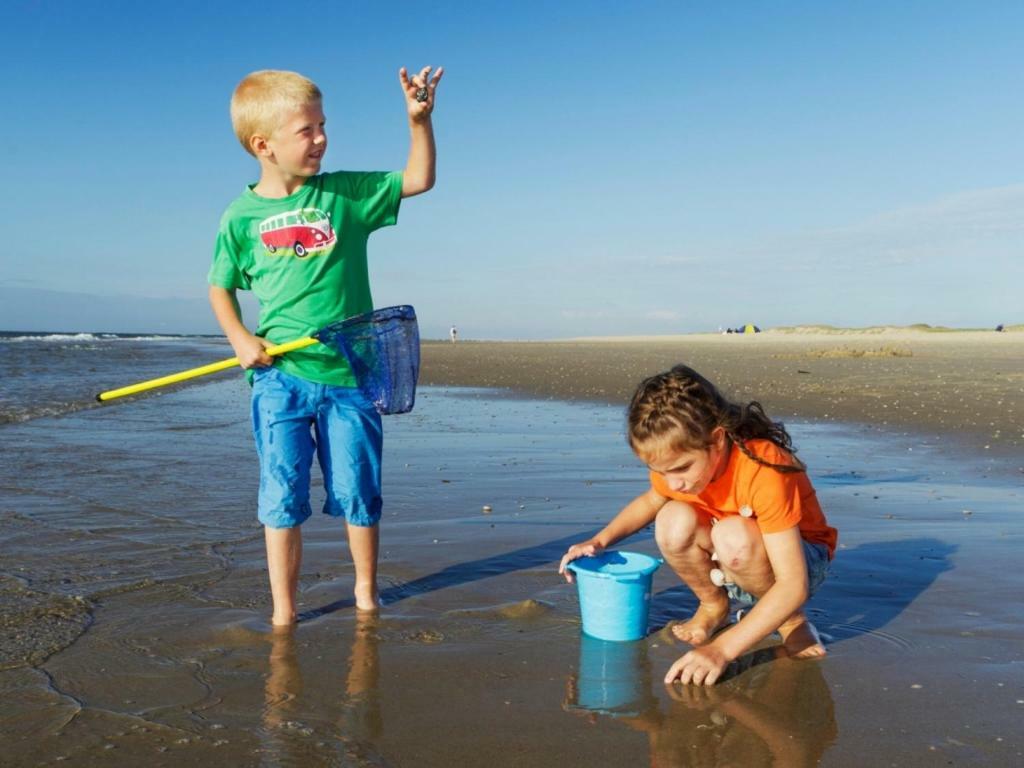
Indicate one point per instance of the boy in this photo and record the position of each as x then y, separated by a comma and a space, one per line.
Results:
297, 239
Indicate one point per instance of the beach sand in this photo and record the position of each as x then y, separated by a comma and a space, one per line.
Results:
968, 384
134, 606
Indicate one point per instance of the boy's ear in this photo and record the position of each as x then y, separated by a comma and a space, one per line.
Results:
259, 145
718, 437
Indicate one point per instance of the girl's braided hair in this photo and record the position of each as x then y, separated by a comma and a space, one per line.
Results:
679, 409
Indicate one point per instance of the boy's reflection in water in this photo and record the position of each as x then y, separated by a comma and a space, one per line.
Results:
770, 711
361, 722
294, 729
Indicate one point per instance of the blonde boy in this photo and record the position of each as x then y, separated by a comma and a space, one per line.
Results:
297, 239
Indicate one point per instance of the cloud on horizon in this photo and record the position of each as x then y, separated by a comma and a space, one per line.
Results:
953, 261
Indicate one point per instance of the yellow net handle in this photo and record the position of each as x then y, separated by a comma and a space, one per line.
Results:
192, 373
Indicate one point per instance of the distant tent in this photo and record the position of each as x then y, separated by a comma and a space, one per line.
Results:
751, 328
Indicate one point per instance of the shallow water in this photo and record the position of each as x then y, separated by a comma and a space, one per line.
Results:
133, 604
55, 373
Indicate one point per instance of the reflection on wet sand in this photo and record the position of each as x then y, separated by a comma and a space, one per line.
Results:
771, 711
353, 729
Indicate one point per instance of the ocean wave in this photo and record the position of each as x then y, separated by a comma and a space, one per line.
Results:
63, 338
52, 337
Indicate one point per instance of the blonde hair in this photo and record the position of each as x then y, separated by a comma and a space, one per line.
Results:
263, 100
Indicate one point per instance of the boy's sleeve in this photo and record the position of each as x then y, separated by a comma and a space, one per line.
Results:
226, 272
375, 195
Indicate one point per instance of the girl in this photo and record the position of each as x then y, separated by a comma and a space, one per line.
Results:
725, 486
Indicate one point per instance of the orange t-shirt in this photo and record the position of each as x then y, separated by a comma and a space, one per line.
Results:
777, 500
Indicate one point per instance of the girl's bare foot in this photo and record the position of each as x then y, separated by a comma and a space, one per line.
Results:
706, 620
284, 620
367, 598
801, 639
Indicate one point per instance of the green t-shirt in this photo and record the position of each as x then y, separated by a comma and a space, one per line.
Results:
304, 258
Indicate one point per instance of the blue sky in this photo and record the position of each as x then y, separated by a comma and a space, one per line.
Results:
604, 168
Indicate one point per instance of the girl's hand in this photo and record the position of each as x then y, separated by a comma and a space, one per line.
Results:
701, 666
583, 549
419, 92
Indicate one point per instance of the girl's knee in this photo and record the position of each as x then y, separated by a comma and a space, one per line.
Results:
675, 528
737, 542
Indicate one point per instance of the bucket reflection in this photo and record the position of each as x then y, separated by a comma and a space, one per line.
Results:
613, 678
770, 710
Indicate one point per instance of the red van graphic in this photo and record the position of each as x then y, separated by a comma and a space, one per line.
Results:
304, 231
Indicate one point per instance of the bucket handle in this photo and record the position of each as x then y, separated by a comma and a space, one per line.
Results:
622, 578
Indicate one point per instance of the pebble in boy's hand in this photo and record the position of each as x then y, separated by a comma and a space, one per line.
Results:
419, 89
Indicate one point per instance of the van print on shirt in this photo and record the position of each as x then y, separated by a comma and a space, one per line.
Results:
303, 232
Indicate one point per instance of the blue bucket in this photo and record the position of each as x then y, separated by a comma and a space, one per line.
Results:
615, 593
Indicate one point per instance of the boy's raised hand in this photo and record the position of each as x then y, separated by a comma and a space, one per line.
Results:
419, 91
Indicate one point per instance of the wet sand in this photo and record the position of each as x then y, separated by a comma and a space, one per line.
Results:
134, 606
964, 383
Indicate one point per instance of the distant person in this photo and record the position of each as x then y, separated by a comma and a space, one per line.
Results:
999, 328
453, 334
724, 481
297, 239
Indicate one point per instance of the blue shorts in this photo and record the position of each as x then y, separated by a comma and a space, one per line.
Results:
818, 564
292, 419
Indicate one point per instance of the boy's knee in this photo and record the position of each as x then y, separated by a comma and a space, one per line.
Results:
675, 527
736, 541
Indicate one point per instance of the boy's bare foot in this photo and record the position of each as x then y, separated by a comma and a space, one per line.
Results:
706, 620
367, 598
801, 639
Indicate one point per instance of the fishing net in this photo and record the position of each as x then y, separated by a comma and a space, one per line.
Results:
383, 348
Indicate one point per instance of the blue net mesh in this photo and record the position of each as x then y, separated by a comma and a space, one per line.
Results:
383, 348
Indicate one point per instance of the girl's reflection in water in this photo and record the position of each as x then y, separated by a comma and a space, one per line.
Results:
771, 711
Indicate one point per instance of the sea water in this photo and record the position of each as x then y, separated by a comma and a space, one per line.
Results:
133, 592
